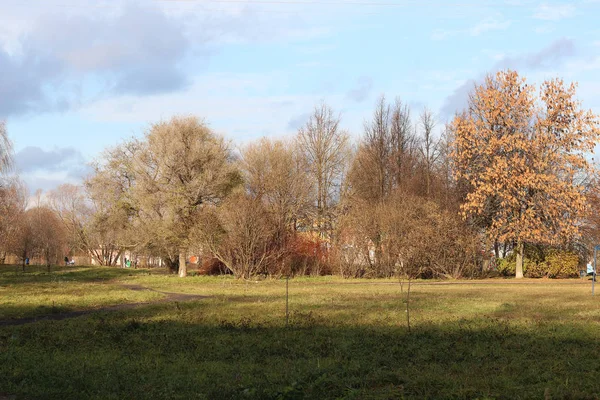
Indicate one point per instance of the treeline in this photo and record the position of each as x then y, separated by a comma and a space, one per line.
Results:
507, 178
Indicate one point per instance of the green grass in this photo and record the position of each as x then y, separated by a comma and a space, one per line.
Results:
37, 292
346, 339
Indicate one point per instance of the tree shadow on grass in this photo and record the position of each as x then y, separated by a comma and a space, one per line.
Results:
38, 313
168, 351
10, 275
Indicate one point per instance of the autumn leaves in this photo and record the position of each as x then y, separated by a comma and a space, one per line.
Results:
524, 159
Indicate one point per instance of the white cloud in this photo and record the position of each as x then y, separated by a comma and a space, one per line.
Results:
484, 26
243, 106
488, 25
440, 34
554, 12
544, 61
583, 65
541, 30
125, 48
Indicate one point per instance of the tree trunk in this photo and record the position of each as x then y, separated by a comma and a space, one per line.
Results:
486, 256
408, 305
48, 259
519, 267
182, 266
496, 248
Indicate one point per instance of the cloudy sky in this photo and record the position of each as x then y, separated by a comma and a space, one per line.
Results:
78, 76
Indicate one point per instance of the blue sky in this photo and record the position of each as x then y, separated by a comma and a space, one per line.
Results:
78, 76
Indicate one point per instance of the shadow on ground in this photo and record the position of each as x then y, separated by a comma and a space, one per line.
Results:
53, 313
172, 351
10, 274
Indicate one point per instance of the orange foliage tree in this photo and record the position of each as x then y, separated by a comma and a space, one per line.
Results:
524, 158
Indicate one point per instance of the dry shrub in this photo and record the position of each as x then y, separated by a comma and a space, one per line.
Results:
241, 234
406, 235
304, 255
212, 266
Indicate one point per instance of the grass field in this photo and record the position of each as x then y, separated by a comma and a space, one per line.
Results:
346, 339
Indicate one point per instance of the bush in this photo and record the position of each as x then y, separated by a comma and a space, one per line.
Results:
212, 266
506, 266
305, 255
535, 269
538, 263
562, 264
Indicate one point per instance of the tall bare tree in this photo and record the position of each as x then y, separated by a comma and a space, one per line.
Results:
275, 174
378, 149
325, 148
385, 159
403, 144
5, 148
429, 148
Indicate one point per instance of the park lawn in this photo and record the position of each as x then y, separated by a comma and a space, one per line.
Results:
346, 339
37, 292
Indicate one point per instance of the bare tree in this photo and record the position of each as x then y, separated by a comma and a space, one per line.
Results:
241, 234
48, 235
383, 165
385, 158
429, 148
403, 144
39, 233
325, 148
275, 174
378, 149
5, 148
13, 201
114, 223
23, 242
92, 223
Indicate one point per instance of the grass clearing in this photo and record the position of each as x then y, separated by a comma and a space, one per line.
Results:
346, 339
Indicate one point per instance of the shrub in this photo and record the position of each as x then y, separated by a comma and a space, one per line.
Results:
212, 266
538, 263
506, 266
562, 264
306, 255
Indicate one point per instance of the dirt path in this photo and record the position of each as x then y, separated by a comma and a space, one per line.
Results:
169, 296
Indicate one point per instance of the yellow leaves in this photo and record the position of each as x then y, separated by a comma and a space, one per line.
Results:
520, 153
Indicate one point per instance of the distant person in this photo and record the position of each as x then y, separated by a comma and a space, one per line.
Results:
27, 261
590, 270
66, 260
128, 263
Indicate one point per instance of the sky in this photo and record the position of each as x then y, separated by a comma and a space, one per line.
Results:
79, 76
